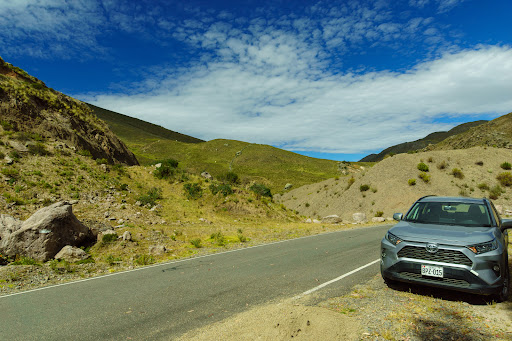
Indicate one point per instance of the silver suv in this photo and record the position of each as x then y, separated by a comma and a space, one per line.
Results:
449, 242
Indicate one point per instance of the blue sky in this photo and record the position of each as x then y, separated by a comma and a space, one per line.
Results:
331, 79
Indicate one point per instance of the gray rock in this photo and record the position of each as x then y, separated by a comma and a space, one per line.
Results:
288, 186
332, 219
315, 221
207, 175
46, 232
378, 219
359, 217
127, 236
71, 254
157, 250
309, 221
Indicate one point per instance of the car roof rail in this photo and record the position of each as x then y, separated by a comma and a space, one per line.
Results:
426, 196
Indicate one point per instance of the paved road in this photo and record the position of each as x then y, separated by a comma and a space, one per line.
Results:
164, 301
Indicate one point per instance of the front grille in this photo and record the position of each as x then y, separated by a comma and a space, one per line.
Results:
443, 256
450, 281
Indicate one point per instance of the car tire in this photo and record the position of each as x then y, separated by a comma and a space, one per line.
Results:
388, 281
505, 289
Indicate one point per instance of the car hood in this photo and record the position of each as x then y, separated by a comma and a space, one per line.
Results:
454, 235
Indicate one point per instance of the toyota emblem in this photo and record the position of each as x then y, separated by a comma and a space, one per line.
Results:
432, 247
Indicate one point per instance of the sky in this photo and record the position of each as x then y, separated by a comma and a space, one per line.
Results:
330, 79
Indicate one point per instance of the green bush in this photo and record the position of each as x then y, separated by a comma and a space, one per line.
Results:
101, 161
495, 192
411, 182
457, 173
193, 190
505, 179
261, 190
109, 238
144, 259
230, 178
442, 165
196, 243
218, 238
150, 198
350, 182
483, 186
6, 125
422, 167
424, 176
364, 188
379, 214
224, 189
38, 149
10, 172
167, 169
85, 153
25, 261
506, 166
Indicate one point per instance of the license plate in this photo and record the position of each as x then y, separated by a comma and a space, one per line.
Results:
431, 270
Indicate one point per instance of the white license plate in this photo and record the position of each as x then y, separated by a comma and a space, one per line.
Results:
431, 270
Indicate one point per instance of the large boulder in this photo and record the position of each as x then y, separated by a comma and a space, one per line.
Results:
71, 254
332, 219
359, 217
45, 233
8, 225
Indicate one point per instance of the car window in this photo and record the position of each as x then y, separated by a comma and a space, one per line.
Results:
446, 213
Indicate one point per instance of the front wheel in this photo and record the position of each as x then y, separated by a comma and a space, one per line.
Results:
504, 292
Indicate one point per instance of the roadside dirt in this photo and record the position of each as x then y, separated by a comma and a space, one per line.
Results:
372, 311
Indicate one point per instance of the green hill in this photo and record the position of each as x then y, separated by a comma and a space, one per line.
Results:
252, 162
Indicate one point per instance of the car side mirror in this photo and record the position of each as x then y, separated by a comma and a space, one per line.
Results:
506, 224
399, 216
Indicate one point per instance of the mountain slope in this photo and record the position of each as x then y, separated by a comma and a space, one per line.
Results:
389, 190
495, 133
29, 108
421, 143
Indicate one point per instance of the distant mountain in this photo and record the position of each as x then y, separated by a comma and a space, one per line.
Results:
431, 139
34, 112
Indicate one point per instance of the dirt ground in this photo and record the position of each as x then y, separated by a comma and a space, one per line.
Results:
372, 311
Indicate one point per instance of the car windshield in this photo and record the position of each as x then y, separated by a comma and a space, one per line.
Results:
449, 213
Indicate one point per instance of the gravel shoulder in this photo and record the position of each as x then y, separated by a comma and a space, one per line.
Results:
372, 311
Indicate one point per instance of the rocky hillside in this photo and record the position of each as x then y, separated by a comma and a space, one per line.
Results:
495, 133
393, 184
422, 143
33, 112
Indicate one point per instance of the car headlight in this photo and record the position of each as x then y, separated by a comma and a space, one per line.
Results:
484, 247
393, 239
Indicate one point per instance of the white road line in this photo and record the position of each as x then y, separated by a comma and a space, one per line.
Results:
336, 279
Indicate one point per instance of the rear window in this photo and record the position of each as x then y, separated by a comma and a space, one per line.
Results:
447, 213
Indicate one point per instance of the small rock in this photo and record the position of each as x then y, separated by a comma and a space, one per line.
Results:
120, 222
138, 203
71, 254
316, 221
332, 219
206, 221
127, 236
309, 221
359, 217
378, 219
158, 165
288, 186
207, 175
157, 250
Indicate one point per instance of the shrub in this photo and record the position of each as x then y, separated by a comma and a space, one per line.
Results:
230, 178
2, 155
193, 190
6, 125
150, 198
495, 192
242, 238
506, 165
167, 169
424, 176
218, 238
261, 190
196, 242
144, 259
24, 261
101, 161
422, 167
224, 189
364, 188
38, 149
442, 165
109, 238
505, 179
10, 172
350, 182
170, 163
411, 182
430, 159
379, 214
85, 153
483, 186
457, 173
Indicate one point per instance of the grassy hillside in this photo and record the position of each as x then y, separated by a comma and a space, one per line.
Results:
421, 143
393, 184
252, 162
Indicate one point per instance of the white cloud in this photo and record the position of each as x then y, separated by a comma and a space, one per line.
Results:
338, 114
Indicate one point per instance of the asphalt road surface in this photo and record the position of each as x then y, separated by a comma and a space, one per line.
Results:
166, 300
